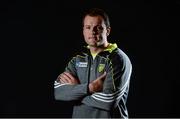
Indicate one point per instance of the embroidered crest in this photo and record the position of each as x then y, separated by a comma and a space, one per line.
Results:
101, 67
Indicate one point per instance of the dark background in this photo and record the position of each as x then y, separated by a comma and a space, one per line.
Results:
38, 38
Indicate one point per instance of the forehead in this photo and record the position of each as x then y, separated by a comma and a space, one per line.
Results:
93, 20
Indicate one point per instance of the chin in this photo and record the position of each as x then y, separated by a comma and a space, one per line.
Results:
92, 45
99, 44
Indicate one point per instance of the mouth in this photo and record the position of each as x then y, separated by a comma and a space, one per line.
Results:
93, 38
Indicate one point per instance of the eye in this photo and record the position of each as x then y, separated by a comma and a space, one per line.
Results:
87, 27
99, 28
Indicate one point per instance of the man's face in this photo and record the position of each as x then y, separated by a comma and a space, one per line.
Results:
95, 31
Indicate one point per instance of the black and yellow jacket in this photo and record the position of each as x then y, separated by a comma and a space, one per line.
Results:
115, 88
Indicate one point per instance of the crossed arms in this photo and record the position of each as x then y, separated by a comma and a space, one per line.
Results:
102, 92
94, 86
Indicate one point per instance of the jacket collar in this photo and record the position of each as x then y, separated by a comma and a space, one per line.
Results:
111, 47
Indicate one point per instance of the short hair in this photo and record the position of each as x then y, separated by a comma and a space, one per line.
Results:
97, 12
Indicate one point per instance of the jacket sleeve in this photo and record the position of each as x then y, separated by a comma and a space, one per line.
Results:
69, 92
115, 86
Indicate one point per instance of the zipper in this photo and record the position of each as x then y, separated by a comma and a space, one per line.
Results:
89, 69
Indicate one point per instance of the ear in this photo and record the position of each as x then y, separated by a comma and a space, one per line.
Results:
108, 31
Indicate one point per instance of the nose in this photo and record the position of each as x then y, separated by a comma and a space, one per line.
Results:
94, 31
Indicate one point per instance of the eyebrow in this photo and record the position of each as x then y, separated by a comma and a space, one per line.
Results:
90, 25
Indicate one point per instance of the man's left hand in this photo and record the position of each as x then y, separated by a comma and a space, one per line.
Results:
67, 77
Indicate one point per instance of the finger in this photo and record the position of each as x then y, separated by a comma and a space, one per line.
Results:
63, 81
58, 78
65, 78
69, 75
103, 76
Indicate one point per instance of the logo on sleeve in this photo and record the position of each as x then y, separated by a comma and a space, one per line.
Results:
81, 64
101, 67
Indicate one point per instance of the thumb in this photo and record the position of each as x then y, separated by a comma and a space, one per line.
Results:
103, 76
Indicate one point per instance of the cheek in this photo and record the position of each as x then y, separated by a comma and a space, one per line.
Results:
105, 33
85, 33
102, 34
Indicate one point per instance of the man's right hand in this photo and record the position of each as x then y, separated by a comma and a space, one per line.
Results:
97, 85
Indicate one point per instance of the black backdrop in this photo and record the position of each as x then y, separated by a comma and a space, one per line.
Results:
38, 38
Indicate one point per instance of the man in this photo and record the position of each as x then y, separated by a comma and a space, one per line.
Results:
97, 79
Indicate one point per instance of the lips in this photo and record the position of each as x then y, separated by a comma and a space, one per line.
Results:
93, 38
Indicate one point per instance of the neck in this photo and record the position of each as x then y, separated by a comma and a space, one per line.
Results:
96, 50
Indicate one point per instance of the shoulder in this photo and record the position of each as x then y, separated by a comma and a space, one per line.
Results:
117, 53
119, 56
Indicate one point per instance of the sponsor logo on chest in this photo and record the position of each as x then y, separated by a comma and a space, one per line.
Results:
81, 64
